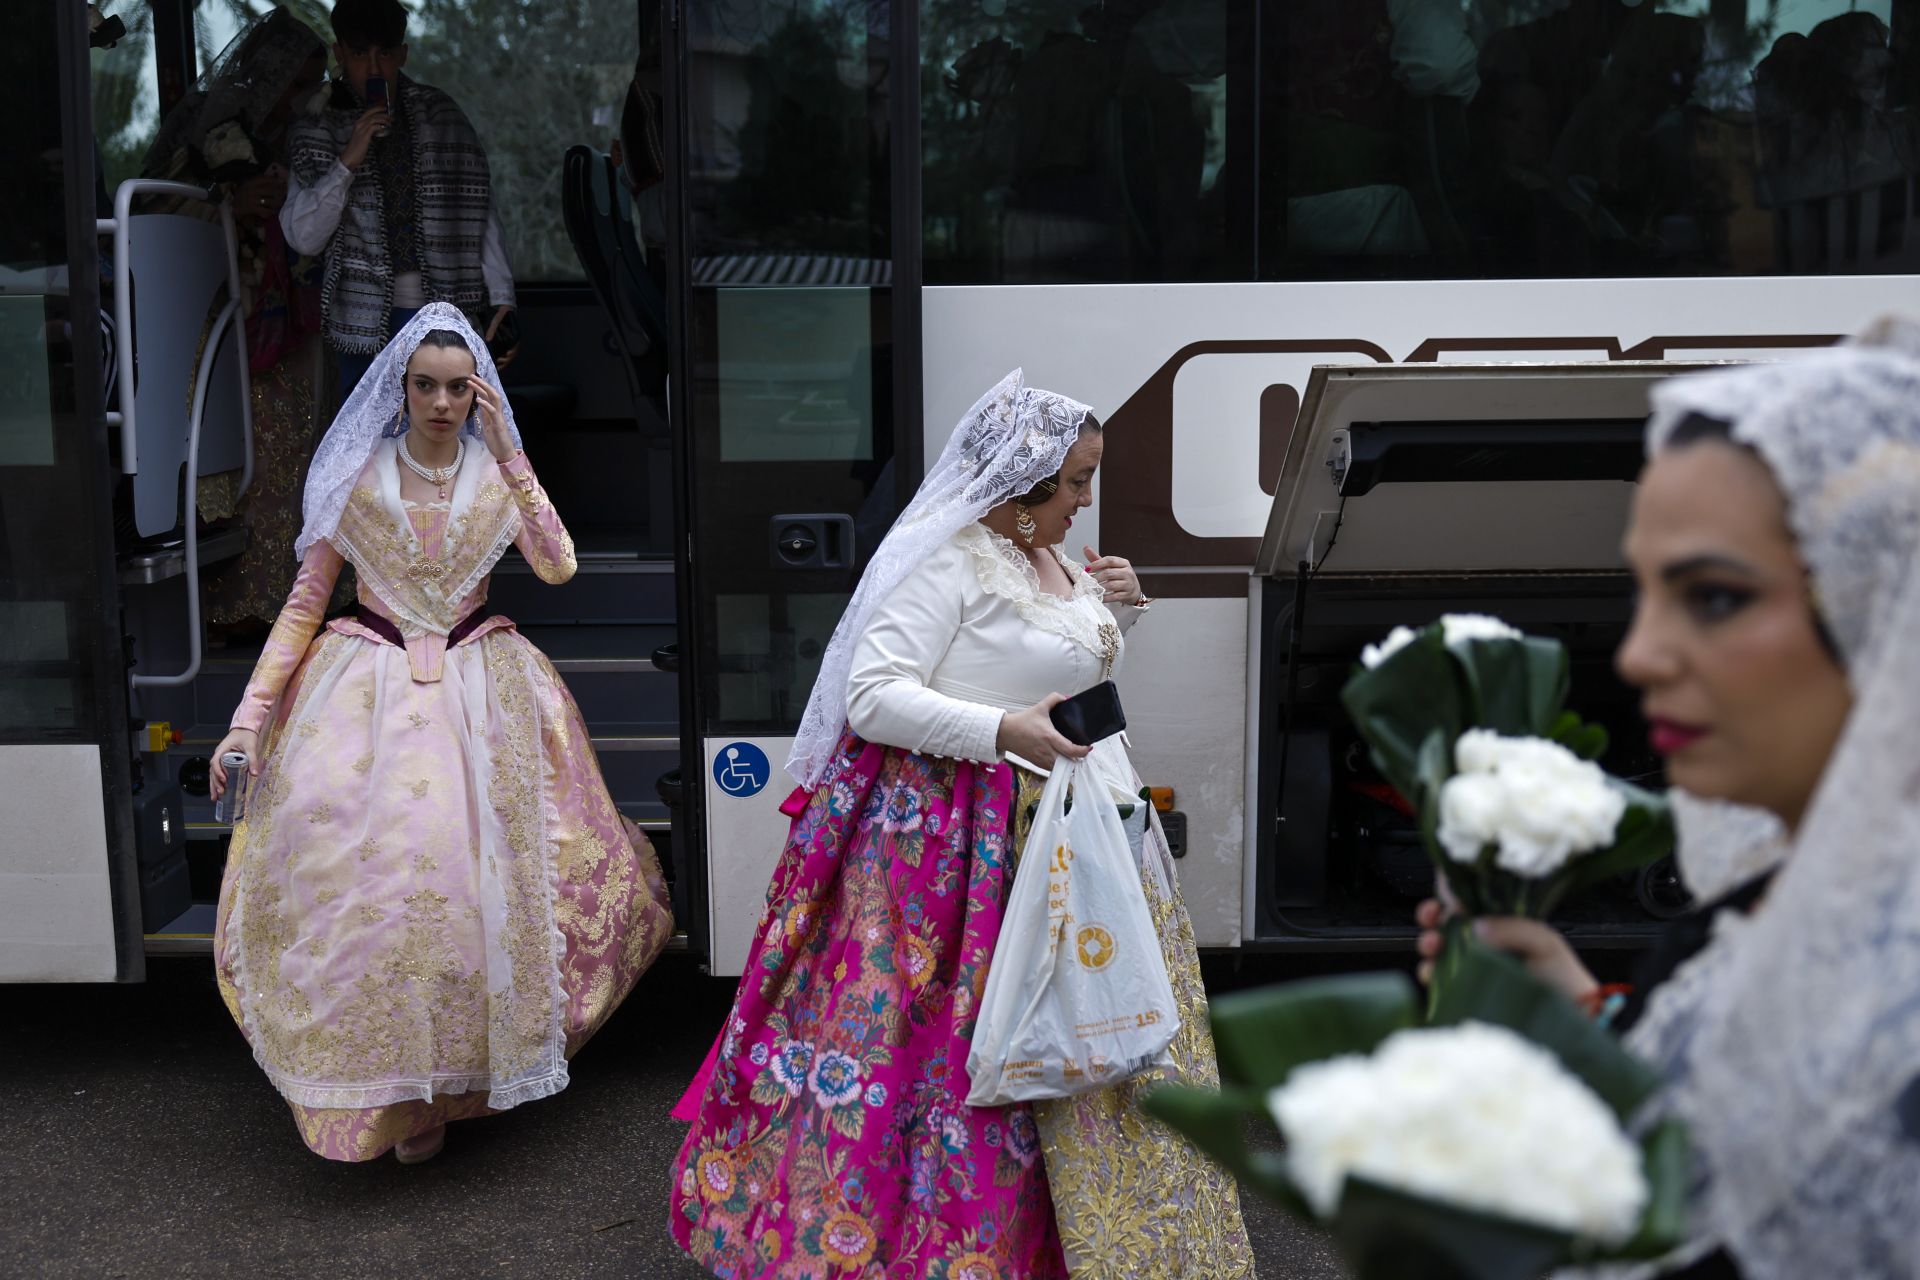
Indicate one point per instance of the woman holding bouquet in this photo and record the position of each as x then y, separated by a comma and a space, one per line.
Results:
431, 902
830, 1127
1776, 542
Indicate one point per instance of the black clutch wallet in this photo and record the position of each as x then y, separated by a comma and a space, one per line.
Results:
1086, 718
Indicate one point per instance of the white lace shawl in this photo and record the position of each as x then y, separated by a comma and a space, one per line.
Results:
1791, 1044
376, 410
1014, 437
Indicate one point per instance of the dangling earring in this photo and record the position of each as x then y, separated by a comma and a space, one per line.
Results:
1024, 522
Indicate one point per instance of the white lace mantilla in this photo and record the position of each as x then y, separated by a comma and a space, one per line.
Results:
1791, 1046
1013, 437
1005, 571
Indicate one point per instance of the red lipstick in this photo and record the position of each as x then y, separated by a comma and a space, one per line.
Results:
1670, 737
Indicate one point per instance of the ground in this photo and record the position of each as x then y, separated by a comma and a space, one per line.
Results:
138, 1138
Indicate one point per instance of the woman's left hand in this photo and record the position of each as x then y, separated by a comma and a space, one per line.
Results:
491, 406
1115, 576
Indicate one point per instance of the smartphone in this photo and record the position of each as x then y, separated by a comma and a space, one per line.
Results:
376, 91
1086, 718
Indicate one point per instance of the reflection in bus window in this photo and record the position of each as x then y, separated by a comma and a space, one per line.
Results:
1071, 142
783, 131
535, 79
126, 97
1409, 139
796, 381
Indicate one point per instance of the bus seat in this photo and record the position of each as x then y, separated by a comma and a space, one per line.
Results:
176, 276
600, 225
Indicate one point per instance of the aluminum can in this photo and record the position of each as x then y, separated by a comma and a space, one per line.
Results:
232, 805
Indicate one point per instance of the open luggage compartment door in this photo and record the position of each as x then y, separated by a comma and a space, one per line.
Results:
1461, 468
1409, 491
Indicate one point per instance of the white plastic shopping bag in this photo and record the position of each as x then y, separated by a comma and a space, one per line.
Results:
1077, 996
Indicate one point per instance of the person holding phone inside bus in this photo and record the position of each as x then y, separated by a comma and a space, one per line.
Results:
831, 1133
391, 183
431, 901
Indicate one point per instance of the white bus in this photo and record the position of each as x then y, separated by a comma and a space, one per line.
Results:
1368, 292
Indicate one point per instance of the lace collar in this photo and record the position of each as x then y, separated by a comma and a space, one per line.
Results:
1005, 571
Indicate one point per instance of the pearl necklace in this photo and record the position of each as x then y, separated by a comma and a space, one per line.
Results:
435, 475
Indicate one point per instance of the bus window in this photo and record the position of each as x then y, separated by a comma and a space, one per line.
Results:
1418, 139
558, 77
1065, 143
126, 95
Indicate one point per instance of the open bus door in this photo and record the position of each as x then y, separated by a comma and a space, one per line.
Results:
792, 150
69, 873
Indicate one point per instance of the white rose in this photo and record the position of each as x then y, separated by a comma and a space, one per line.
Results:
1455, 628
1375, 654
1536, 801
1462, 627
1472, 1115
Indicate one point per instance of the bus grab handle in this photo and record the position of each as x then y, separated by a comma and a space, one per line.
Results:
229, 315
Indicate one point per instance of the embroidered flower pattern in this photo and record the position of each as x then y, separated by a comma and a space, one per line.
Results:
852, 1027
847, 1240
835, 1079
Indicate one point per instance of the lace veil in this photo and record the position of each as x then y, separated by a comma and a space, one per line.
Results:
1792, 1043
242, 87
375, 410
1014, 437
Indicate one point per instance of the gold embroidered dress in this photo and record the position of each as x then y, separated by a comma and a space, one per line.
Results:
432, 901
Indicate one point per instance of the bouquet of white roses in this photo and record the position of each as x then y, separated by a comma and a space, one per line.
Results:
1488, 1144
1467, 720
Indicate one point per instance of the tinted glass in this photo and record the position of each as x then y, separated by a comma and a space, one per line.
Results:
1413, 139
56, 607
789, 316
1071, 142
535, 77
126, 96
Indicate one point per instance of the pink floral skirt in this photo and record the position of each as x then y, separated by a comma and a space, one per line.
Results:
833, 1136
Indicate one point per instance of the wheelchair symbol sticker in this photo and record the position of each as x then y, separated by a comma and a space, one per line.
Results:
741, 769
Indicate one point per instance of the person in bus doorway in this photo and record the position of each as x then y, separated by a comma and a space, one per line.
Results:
431, 901
1775, 539
231, 131
391, 184
830, 1131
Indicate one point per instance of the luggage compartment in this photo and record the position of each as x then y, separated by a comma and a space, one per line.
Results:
1411, 491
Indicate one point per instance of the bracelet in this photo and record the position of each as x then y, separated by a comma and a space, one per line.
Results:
1143, 604
1603, 1003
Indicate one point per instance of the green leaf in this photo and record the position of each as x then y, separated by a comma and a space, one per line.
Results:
1669, 1168
1397, 705
1216, 1123
1515, 687
1387, 1234
1588, 741
1485, 985
1434, 767
1262, 1035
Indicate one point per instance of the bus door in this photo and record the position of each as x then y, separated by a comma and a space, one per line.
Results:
795, 387
69, 874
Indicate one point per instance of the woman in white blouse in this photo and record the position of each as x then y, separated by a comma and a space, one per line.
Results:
830, 1128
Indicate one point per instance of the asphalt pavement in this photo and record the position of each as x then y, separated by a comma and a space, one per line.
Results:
138, 1138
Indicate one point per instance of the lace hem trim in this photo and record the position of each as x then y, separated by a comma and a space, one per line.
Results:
1005, 571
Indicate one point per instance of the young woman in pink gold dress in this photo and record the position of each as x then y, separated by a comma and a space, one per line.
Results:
431, 901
